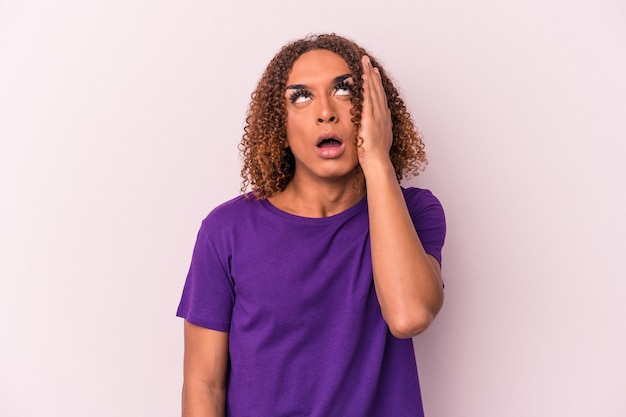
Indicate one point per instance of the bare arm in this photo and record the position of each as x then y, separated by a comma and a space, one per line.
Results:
407, 279
205, 365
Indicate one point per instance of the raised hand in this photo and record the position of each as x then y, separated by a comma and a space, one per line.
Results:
376, 128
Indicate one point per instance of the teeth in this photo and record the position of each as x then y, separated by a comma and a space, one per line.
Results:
329, 142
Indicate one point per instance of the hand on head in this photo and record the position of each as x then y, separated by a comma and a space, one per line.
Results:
375, 133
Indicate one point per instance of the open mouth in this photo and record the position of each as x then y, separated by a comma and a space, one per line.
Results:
329, 143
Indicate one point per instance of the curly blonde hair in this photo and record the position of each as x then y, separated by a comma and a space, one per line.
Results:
268, 166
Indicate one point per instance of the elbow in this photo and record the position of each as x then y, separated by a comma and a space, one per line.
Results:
409, 326
409, 323
409, 316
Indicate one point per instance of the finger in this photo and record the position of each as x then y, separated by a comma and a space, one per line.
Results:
367, 76
371, 90
376, 92
379, 91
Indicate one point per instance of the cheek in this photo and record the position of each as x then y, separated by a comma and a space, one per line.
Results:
294, 124
346, 114
292, 131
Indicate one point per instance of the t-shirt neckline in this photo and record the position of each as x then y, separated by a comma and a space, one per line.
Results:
349, 212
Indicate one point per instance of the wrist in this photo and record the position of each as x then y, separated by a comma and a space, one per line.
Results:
377, 171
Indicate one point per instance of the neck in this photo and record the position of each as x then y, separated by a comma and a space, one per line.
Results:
317, 200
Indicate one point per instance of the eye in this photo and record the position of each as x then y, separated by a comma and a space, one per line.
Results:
300, 96
344, 88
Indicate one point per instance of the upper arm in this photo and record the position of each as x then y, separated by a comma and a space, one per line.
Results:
436, 266
206, 356
429, 220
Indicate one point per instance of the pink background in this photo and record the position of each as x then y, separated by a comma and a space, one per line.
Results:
119, 124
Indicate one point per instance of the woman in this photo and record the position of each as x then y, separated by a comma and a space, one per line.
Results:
303, 295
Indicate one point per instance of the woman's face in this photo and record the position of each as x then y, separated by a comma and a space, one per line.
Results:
320, 131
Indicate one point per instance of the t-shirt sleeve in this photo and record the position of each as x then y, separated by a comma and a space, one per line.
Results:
208, 294
429, 220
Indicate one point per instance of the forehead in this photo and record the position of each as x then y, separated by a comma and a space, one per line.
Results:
317, 66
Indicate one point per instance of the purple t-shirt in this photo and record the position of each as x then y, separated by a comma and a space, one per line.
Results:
296, 294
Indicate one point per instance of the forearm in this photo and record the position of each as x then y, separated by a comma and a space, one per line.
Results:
203, 400
205, 365
407, 280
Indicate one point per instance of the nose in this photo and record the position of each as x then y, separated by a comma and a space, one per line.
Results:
326, 111
330, 119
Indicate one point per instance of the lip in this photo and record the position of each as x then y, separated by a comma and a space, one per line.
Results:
329, 152
327, 135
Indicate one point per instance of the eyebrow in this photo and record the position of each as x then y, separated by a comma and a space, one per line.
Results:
336, 80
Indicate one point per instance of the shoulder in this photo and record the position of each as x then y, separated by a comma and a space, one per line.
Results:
418, 199
234, 207
231, 212
425, 209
